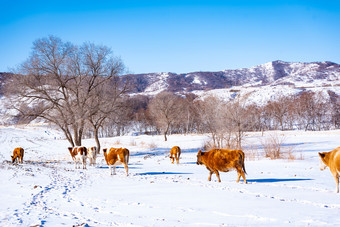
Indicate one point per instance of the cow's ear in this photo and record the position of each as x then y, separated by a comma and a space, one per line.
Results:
322, 155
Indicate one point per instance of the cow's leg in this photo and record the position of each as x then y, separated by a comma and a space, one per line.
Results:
336, 178
177, 158
210, 173
110, 167
244, 177
172, 159
114, 170
126, 169
240, 173
217, 175
238, 176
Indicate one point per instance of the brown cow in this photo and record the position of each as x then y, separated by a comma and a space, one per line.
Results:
223, 160
175, 152
92, 155
332, 160
78, 154
115, 157
18, 153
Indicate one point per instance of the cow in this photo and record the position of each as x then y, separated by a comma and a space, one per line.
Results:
79, 154
223, 160
332, 160
91, 155
115, 157
18, 153
175, 152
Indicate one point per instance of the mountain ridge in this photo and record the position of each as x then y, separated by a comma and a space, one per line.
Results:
272, 73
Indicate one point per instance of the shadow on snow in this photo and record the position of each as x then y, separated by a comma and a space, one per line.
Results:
274, 180
160, 173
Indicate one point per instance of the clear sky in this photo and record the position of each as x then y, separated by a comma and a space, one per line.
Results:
178, 35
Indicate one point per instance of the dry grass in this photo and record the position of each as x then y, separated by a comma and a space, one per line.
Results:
117, 142
252, 153
151, 145
210, 144
133, 143
274, 148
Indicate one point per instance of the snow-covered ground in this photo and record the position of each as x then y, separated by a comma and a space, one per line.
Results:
46, 190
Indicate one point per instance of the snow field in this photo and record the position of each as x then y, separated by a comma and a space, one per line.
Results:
47, 191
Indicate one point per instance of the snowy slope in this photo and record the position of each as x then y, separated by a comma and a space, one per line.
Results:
47, 191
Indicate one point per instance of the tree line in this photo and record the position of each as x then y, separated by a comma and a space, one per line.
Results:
78, 89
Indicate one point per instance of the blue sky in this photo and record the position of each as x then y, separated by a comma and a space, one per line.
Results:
178, 36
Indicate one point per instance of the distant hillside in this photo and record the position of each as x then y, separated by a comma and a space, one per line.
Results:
272, 73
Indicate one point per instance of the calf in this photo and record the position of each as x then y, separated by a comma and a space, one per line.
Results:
91, 155
175, 152
332, 160
115, 157
18, 153
78, 154
223, 160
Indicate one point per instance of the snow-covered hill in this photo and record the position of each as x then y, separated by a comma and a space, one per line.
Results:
259, 84
46, 190
270, 74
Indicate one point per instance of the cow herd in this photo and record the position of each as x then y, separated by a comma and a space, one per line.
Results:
215, 160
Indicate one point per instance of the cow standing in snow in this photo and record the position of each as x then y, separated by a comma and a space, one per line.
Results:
92, 155
222, 160
79, 154
18, 153
115, 157
175, 152
332, 160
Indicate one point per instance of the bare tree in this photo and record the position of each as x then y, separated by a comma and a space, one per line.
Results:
212, 112
164, 109
238, 119
59, 82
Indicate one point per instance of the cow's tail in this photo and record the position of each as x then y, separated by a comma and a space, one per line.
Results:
242, 158
127, 156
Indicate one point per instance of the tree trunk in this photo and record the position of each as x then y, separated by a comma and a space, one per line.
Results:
165, 133
97, 139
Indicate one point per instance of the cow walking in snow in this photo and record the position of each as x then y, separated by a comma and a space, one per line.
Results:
223, 160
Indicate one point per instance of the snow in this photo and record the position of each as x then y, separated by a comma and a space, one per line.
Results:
262, 95
158, 86
47, 190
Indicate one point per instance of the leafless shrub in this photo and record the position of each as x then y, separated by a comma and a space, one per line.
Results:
223, 143
133, 143
152, 145
272, 146
252, 153
292, 154
117, 142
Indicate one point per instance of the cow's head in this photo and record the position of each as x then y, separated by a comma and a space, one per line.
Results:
323, 161
199, 158
13, 158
